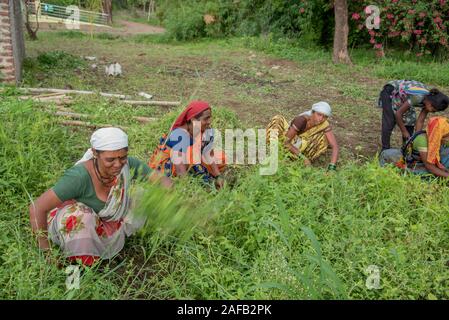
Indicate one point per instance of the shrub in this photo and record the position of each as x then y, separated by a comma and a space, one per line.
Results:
59, 60
186, 22
419, 25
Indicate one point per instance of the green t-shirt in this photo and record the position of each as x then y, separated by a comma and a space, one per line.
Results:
76, 184
420, 143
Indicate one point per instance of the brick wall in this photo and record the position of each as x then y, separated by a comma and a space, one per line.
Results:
12, 50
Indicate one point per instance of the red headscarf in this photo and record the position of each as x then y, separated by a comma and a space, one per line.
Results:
193, 109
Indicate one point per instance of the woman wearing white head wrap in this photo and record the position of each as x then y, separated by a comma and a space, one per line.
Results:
106, 139
90, 205
308, 134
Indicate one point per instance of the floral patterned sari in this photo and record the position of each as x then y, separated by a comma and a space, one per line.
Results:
82, 233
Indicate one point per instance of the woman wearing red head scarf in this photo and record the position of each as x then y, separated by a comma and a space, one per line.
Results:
188, 147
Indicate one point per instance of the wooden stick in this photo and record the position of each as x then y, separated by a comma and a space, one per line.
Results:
50, 95
70, 114
63, 109
144, 119
61, 98
42, 96
38, 90
59, 101
89, 125
63, 102
78, 124
86, 116
152, 103
108, 95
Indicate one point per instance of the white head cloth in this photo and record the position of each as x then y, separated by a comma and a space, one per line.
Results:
106, 139
321, 107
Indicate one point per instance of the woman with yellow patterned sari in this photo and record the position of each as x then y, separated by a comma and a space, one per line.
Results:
309, 134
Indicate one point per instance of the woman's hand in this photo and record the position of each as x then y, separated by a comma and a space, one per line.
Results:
332, 140
290, 135
405, 135
165, 181
432, 168
43, 243
219, 182
38, 216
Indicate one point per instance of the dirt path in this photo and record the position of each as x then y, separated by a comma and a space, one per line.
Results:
132, 28
126, 28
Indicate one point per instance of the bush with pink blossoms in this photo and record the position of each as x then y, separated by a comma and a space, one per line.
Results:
421, 26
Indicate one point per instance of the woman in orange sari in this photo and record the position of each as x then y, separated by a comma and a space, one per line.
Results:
433, 148
426, 153
188, 147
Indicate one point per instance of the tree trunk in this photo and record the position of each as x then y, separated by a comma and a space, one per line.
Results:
32, 33
150, 9
341, 54
107, 9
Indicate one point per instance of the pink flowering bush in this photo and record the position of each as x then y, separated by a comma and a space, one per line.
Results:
421, 25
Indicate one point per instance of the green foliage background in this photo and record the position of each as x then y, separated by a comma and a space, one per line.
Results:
309, 21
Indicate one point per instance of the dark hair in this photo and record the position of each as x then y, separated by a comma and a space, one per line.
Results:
199, 115
437, 99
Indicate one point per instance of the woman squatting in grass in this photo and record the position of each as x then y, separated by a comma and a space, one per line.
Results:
398, 101
188, 147
308, 134
428, 152
90, 206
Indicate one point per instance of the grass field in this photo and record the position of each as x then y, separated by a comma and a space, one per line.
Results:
300, 234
